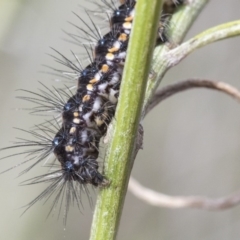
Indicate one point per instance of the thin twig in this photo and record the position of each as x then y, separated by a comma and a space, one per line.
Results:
169, 90
162, 200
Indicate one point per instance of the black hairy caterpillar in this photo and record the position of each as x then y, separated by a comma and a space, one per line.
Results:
86, 114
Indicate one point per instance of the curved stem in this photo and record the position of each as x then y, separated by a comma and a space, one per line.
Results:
223, 31
180, 23
169, 90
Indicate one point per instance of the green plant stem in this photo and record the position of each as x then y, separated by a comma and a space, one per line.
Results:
220, 32
119, 158
180, 24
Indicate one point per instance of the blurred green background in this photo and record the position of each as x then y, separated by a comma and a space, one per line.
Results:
191, 143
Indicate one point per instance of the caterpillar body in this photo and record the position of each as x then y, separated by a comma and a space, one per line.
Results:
86, 114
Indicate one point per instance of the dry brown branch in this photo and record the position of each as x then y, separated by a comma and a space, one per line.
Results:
169, 90
162, 200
